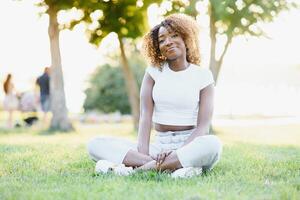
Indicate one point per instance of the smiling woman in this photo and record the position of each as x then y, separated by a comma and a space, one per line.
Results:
177, 96
170, 29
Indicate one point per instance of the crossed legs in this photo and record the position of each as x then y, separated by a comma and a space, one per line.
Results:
203, 151
136, 159
145, 162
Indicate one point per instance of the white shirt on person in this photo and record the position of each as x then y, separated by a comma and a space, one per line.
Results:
176, 93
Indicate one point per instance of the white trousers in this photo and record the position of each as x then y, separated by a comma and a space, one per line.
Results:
203, 151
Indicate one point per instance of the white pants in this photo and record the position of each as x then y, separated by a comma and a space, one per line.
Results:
203, 151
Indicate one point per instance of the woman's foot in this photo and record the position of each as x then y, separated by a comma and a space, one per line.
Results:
148, 166
104, 166
187, 172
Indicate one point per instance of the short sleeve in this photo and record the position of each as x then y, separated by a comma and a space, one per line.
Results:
206, 78
153, 72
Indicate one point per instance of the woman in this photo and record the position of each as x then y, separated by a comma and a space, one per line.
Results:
11, 102
177, 96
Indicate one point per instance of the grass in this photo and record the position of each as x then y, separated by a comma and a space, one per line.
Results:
258, 163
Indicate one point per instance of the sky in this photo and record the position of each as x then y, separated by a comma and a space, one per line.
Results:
259, 75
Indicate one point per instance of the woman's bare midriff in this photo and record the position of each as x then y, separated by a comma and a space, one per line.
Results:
165, 128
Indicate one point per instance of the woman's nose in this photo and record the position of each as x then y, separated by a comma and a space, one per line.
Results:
169, 41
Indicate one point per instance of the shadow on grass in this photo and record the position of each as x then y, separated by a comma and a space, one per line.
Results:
153, 175
9, 149
47, 132
29, 130
137, 176
51, 131
13, 130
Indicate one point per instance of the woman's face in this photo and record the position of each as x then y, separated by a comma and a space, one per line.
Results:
171, 44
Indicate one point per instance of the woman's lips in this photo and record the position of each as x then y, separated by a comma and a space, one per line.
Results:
171, 49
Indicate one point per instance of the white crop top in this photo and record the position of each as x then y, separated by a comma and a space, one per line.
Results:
176, 94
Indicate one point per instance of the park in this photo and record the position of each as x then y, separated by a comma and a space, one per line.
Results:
95, 54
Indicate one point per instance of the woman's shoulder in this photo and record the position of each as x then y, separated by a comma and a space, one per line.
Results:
200, 69
152, 68
153, 71
203, 75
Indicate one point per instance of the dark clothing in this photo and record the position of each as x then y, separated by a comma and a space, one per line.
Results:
43, 82
45, 103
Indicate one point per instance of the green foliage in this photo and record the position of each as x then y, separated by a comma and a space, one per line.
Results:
231, 17
107, 92
241, 17
126, 18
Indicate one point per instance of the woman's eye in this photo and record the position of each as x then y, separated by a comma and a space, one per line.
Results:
160, 41
175, 35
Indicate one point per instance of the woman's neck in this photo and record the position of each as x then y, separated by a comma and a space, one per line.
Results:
178, 64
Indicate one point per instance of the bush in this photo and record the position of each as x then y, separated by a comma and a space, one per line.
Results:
107, 91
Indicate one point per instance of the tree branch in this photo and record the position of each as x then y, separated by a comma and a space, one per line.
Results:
220, 61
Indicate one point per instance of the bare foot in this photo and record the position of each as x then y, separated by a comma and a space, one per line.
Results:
148, 166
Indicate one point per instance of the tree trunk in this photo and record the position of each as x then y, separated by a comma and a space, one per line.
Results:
59, 119
131, 86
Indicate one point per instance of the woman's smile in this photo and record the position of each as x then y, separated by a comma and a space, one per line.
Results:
171, 49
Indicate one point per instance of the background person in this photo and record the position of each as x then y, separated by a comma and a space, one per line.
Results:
10, 103
43, 82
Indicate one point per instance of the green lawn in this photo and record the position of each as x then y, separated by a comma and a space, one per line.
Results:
258, 162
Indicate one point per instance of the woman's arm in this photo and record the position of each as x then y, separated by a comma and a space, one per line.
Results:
146, 111
205, 112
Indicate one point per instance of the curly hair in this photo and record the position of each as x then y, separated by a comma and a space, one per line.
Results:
182, 24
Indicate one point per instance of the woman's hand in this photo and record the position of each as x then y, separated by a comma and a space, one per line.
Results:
160, 158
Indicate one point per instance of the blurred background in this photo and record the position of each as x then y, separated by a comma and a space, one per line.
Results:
256, 47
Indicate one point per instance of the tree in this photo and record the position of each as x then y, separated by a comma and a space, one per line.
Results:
60, 120
231, 18
125, 18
